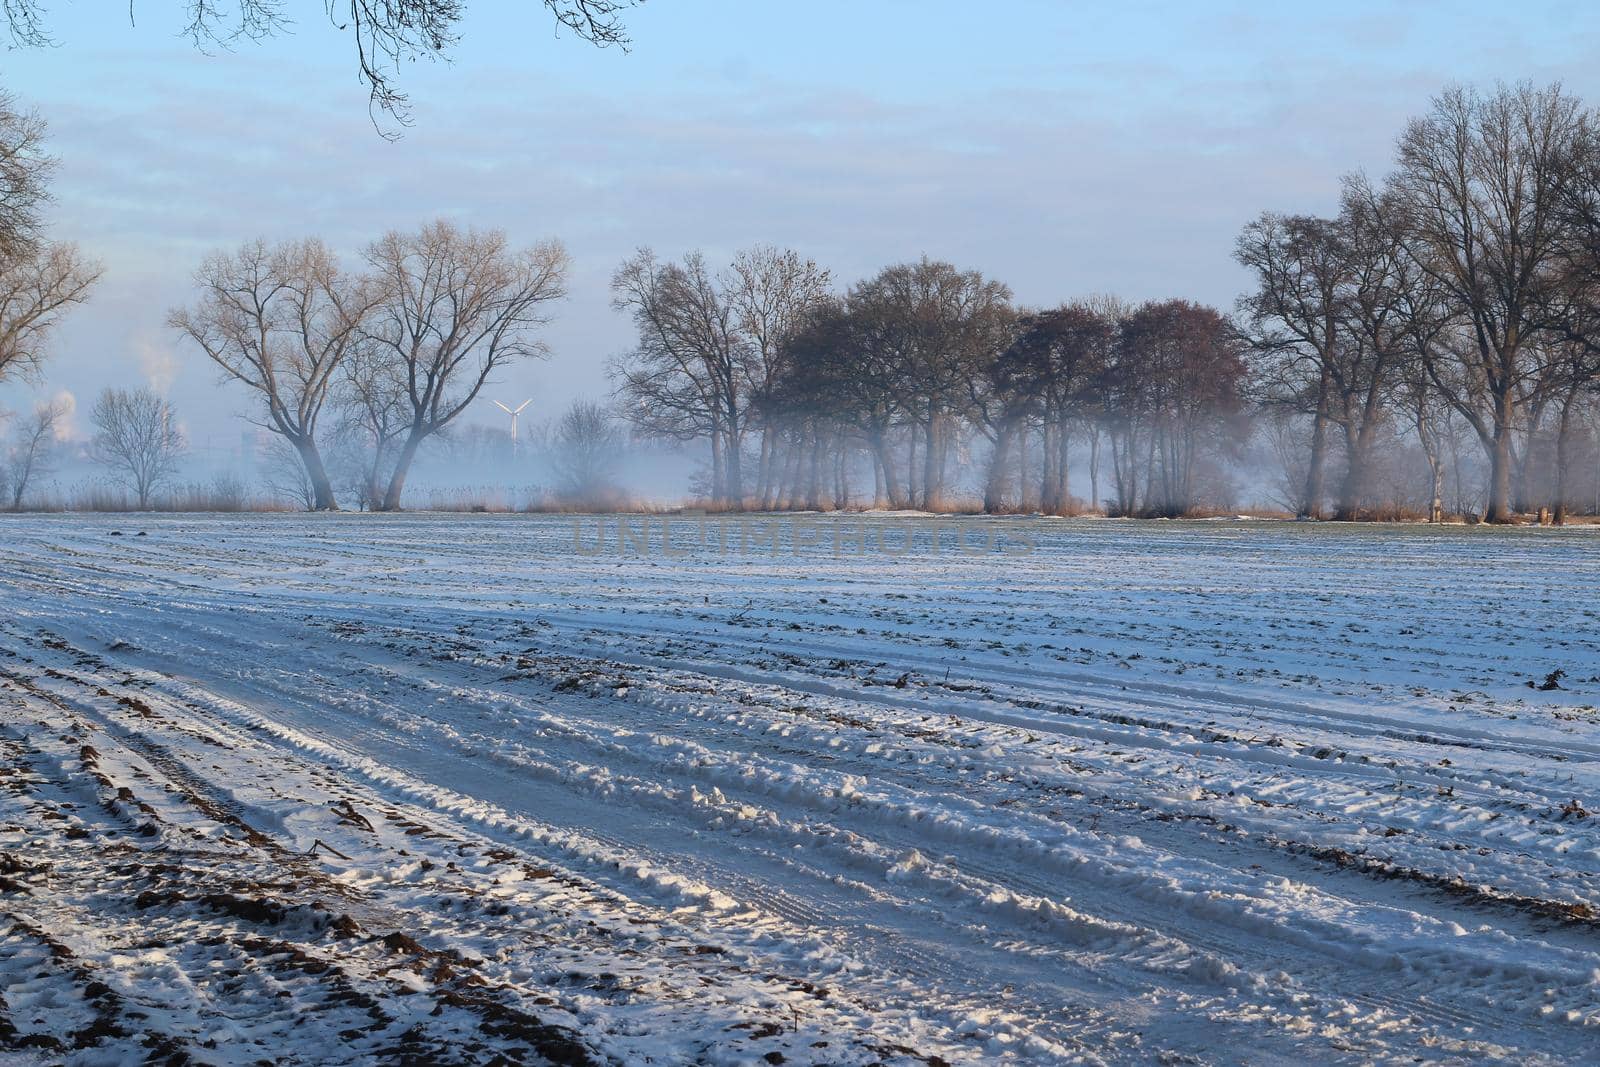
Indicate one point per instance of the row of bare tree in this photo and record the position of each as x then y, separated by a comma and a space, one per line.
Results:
1462, 290
913, 367
1466, 286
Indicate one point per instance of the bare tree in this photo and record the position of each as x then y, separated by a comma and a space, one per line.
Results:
39, 280
585, 447
772, 290
137, 435
1301, 263
373, 416
1574, 311
388, 34
24, 178
1001, 404
35, 291
686, 377
1477, 202
456, 306
1175, 398
1372, 343
1057, 361
841, 366
1576, 380
940, 324
281, 319
32, 452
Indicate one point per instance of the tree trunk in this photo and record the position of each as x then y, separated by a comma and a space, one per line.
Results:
914, 489
1563, 456
719, 481
1348, 508
1022, 466
1094, 468
888, 472
780, 474
764, 489
321, 486
1311, 501
1150, 501
932, 490
841, 479
733, 466
402, 467
1523, 496
1063, 488
781, 480
1358, 463
1455, 473
1125, 470
994, 487
795, 497
1430, 450
1048, 503
1500, 464
1436, 502
814, 475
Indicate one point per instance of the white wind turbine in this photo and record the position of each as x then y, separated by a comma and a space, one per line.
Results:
513, 412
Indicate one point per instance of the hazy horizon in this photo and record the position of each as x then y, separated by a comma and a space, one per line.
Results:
1075, 153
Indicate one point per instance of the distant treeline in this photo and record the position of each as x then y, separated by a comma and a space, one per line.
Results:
1432, 348
1459, 298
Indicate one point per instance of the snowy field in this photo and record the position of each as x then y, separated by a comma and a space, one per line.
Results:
439, 789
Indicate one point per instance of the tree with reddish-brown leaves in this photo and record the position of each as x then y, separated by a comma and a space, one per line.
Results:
1174, 395
1052, 370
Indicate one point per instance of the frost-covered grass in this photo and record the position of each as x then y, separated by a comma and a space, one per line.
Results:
362, 788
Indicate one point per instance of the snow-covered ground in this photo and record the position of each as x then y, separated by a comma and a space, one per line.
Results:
356, 788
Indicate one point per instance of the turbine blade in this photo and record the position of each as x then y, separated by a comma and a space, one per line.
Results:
502, 407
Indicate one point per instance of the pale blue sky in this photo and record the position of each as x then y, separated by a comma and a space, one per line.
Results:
1065, 148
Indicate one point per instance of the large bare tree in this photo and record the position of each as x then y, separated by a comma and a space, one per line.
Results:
1478, 204
1175, 398
137, 435
1371, 347
842, 365
455, 306
281, 319
1574, 310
